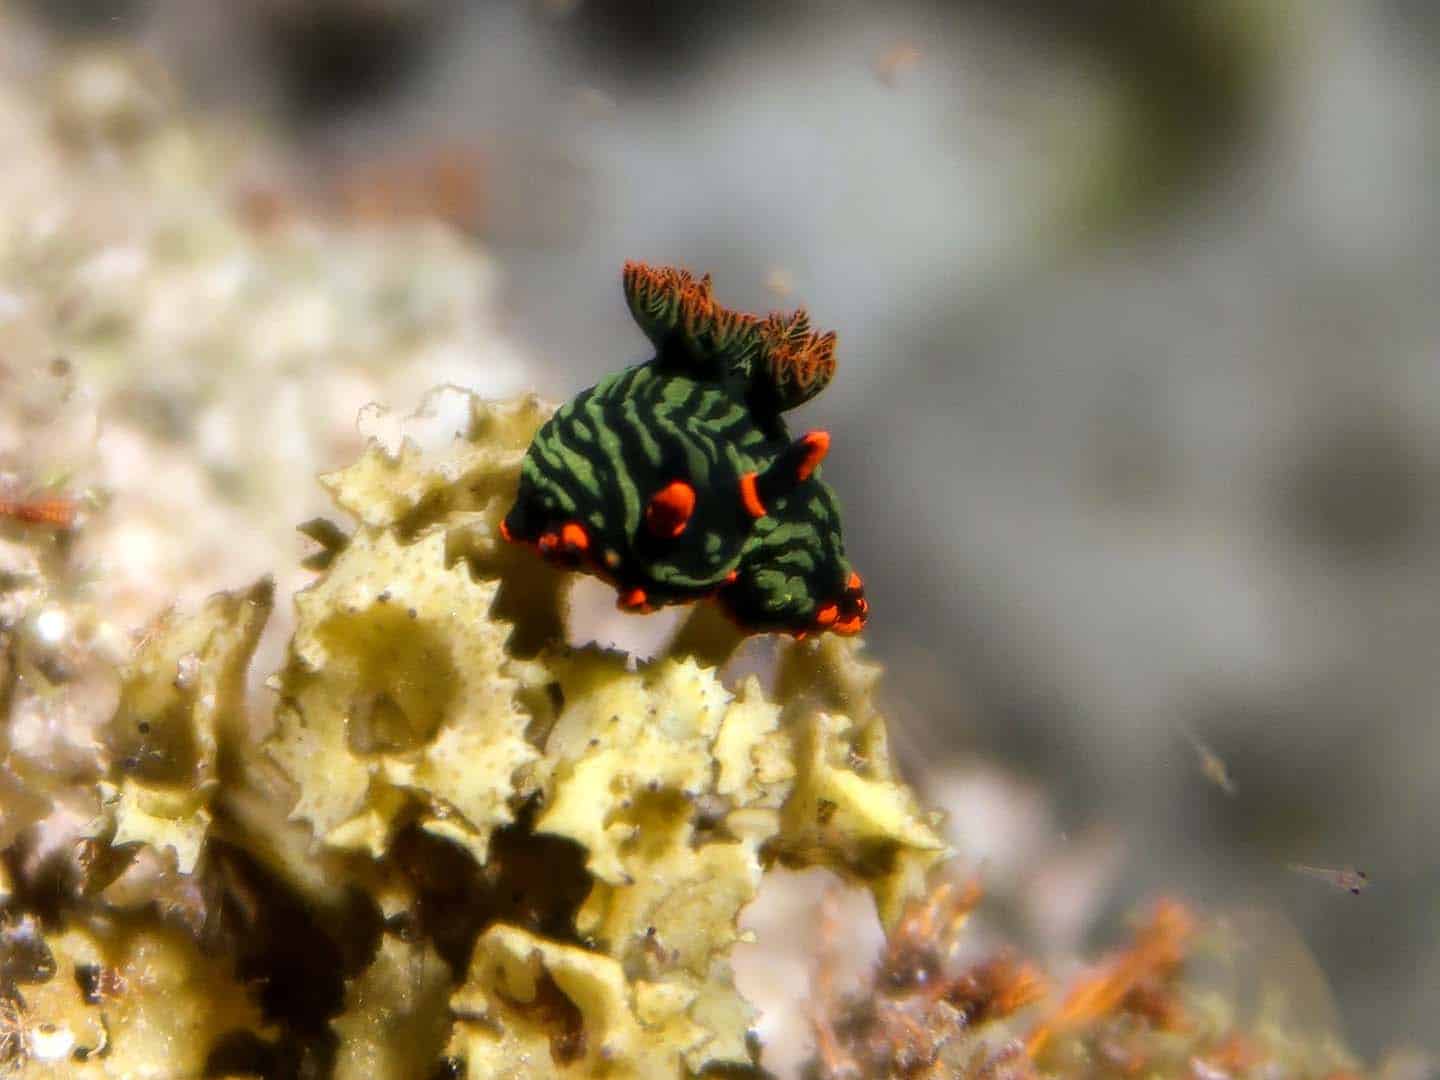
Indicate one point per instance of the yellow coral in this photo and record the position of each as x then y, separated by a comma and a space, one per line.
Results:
624, 735
671, 784
130, 1003
396, 696
474, 473
181, 705
850, 813
533, 1008
396, 1018
401, 702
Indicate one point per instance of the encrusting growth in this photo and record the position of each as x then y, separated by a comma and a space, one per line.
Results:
676, 480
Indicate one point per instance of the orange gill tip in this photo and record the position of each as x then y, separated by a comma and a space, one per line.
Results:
750, 496
817, 445
669, 509
827, 615
573, 537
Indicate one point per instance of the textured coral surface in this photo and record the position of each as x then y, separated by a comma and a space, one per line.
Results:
455, 856
447, 841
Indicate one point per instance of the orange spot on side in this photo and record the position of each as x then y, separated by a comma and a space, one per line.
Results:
547, 543
750, 496
817, 445
827, 615
851, 625
573, 537
732, 577
669, 509
854, 583
633, 600
505, 532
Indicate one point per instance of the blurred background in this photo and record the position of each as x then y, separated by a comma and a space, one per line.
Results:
1138, 416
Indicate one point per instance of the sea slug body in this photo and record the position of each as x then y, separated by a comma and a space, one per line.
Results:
676, 479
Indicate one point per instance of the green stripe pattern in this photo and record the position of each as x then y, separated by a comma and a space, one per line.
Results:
601, 457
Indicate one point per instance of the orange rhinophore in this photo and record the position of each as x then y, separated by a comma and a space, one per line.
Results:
816, 445
750, 496
669, 509
56, 511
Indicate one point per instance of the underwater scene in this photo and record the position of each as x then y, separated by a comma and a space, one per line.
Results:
797, 539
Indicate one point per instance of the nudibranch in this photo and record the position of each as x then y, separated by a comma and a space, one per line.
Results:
676, 480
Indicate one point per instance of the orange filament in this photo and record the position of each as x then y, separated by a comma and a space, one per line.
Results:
669, 509
1158, 951
750, 496
817, 445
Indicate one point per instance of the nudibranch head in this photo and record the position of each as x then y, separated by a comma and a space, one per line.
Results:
676, 479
